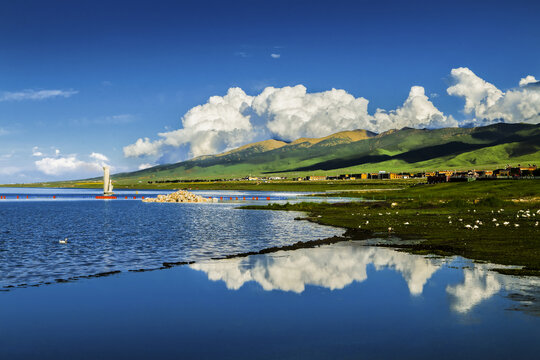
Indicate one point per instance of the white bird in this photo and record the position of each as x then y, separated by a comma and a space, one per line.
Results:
468, 226
65, 241
475, 227
536, 223
450, 222
494, 220
406, 223
390, 229
367, 222
496, 224
506, 223
516, 225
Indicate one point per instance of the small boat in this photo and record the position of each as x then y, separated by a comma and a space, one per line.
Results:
65, 241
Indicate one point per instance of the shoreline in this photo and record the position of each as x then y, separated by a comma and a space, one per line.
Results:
495, 246
429, 217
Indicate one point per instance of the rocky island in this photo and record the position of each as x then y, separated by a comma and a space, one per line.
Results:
180, 196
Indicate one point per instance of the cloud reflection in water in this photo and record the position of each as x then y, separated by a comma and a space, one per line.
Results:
332, 267
336, 266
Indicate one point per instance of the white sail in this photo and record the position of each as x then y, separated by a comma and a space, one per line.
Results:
107, 182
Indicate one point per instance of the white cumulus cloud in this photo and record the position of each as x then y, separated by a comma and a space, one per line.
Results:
99, 157
71, 164
291, 112
31, 94
529, 79
275, 56
287, 113
217, 125
417, 112
142, 147
64, 165
487, 104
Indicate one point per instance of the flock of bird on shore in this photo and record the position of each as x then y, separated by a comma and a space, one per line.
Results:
476, 225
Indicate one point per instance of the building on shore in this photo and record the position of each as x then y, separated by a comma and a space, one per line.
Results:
315, 178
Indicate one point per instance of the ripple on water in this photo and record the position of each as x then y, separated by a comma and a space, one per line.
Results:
107, 236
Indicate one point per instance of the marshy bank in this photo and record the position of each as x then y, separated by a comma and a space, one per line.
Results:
485, 221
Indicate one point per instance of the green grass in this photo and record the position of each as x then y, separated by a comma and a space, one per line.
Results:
435, 217
466, 191
303, 186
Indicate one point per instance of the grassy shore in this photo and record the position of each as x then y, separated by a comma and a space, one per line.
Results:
494, 221
277, 185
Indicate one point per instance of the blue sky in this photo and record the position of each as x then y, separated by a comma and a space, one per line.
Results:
124, 71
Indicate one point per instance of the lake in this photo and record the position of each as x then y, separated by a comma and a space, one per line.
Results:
340, 301
119, 235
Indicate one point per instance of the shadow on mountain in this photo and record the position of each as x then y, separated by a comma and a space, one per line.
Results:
426, 153
525, 147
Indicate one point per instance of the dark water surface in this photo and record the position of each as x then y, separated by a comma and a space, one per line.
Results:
341, 301
108, 236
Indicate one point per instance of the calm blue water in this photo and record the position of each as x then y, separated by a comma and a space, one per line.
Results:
342, 301
115, 235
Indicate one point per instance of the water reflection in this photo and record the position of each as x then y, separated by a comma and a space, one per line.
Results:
339, 265
480, 284
332, 267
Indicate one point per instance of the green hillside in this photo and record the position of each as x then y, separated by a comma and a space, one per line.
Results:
361, 151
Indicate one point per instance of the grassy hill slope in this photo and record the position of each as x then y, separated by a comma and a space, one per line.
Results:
361, 151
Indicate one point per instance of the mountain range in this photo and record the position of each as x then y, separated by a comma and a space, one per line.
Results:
360, 151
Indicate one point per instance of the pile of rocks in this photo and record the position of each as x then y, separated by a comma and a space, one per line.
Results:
181, 196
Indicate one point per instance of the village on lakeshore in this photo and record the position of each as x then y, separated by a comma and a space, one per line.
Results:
509, 172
